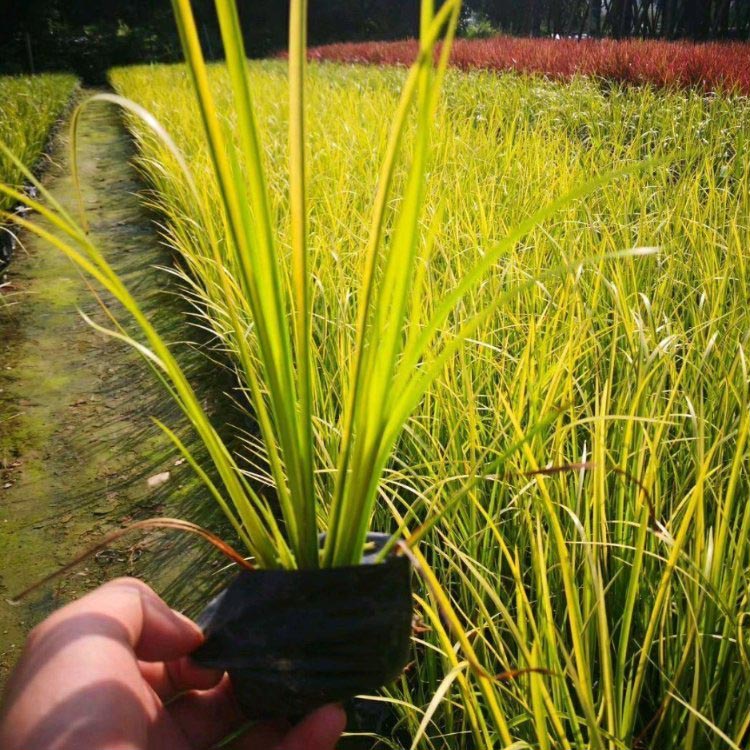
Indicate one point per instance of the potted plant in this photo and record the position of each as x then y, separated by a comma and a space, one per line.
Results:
325, 619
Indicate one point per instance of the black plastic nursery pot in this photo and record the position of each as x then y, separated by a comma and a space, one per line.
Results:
295, 640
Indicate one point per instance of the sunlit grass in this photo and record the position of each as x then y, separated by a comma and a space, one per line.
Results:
29, 106
627, 579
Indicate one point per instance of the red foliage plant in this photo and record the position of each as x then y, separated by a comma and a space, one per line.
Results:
710, 67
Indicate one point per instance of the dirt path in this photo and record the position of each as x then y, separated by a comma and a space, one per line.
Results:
76, 442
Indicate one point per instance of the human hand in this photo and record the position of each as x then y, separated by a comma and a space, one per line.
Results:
110, 672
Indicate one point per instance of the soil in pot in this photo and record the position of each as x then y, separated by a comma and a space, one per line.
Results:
295, 640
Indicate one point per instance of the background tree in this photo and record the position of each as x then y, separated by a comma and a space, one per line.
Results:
669, 19
91, 37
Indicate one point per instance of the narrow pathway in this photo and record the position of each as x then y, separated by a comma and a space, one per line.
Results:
77, 446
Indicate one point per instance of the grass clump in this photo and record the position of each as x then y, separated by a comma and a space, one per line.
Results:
624, 580
30, 107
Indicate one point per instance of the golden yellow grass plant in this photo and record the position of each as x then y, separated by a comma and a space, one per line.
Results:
624, 579
30, 106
